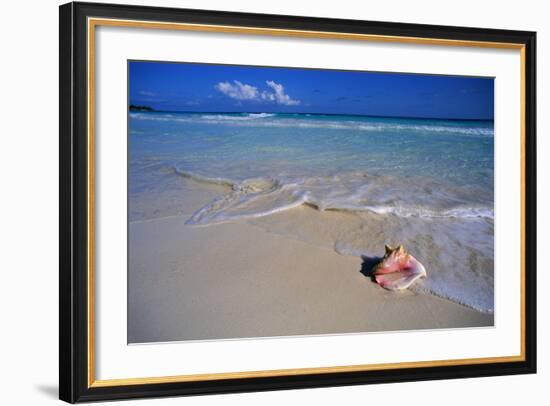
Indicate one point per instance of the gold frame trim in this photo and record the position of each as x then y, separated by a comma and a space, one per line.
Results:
94, 22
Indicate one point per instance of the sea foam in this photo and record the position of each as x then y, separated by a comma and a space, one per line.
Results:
321, 122
257, 197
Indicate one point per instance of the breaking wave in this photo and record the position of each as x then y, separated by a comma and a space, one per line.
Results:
258, 197
240, 117
325, 122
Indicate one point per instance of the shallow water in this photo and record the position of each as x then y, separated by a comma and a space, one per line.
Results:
424, 183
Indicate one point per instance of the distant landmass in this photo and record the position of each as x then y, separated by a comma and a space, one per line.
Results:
134, 107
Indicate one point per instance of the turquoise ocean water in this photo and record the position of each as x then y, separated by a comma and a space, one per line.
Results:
433, 175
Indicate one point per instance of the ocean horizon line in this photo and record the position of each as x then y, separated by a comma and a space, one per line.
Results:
312, 114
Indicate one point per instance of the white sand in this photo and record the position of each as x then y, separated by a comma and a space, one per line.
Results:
239, 280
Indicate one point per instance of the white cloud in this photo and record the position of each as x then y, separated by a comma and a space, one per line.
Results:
280, 97
146, 93
242, 91
238, 90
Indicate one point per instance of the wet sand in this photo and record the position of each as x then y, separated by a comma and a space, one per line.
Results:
247, 279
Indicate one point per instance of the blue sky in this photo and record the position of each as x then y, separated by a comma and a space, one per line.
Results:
228, 88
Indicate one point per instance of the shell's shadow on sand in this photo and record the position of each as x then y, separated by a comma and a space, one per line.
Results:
367, 266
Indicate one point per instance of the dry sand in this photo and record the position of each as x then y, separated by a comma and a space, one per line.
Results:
241, 279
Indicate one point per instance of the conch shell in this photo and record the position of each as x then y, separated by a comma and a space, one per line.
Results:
398, 269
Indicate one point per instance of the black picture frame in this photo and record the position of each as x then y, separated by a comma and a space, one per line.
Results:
74, 385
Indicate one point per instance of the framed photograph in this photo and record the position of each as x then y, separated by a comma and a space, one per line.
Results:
257, 202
